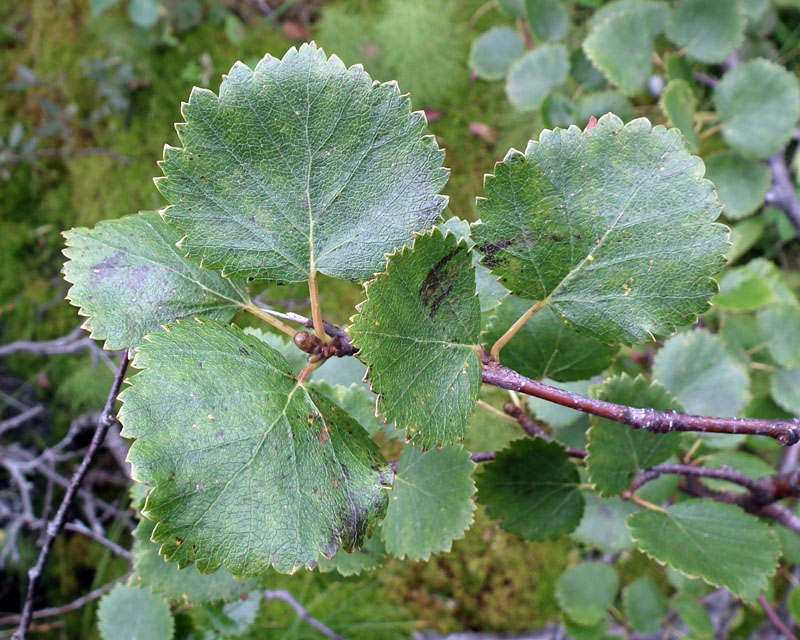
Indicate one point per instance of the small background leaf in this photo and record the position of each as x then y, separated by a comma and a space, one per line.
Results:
536, 74
431, 504
694, 537
532, 488
586, 591
758, 104
129, 613
545, 347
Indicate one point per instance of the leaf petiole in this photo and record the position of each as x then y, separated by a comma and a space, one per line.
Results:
514, 328
275, 322
316, 309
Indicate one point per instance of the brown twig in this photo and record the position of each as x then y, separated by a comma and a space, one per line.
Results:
786, 432
534, 430
302, 612
21, 418
75, 527
57, 524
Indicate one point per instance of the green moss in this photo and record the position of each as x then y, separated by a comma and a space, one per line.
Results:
491, 581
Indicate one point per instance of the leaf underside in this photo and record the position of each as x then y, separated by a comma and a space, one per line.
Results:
613, 227
250, 468
431, 504
301, 165
129, 278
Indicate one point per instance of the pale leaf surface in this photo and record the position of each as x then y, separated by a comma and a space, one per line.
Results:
586, 591
741, 183
130, 613
612, 226
493, 52
250, 468
536, 74
709, 30
129, 278
431, 503
301, 165
703, 376
758, 104
705, 539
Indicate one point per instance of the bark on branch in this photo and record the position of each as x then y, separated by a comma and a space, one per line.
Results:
786, 432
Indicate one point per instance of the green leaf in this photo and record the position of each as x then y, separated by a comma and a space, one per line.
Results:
359, 404
98, 6
653, 14
558, 111
129, 278
602, 102
678, 104
709, 30
612, 226
548, 19
301, 165
493, 52
704, 377
618, 453
786, 389
545, 347
603, 524
794, 604
250, 468
532, 488
283, 345
144, 13
744, 236
742, 289
695, 616
770, 272
695, 537
536, 74
741, 183
513, 8
645, 606
758, 104
585, 73
185, 586
779, 326
586, 591
431, 504
490, 291
418, 332
582, 632
129, 613
367, 558
622, 50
